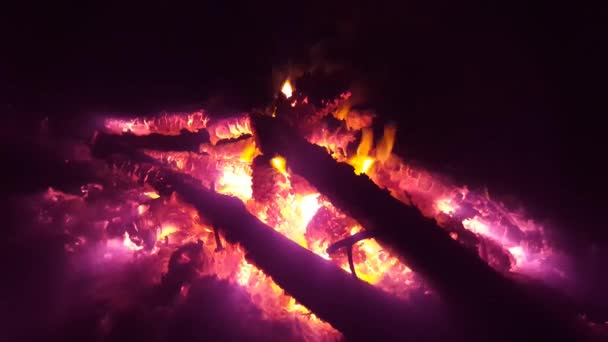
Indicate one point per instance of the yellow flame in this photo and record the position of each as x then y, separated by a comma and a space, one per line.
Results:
385, 146
167, 230
342, 112
287, 89
249, 152
362, 162
309, 205
152, 194
279, 164
367, 140
367, 164
244, 274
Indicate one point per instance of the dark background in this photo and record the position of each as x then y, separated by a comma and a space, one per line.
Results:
507, 96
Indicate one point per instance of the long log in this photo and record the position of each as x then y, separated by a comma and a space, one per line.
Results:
357, 309
476, 293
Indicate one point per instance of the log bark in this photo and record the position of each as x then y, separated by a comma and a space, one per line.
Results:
357, 309
476, 293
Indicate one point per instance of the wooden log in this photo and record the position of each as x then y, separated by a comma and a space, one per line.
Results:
357, 309
476, 293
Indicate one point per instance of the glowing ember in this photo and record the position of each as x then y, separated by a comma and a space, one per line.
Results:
235, 180
174, 123
244, 275
445, 206
518, 253
184, 226
476, 226
127, 242
229, 128
309, 205
287, 89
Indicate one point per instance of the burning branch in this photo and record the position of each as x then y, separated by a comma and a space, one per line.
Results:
348, 244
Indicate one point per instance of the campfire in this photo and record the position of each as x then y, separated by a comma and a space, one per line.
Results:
302, 207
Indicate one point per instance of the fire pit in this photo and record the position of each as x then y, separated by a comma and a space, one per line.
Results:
307, 226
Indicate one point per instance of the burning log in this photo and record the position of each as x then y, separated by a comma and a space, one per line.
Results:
175, 124
166, 124
473, 289
357, 309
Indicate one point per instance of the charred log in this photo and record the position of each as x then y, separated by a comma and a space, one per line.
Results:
186, 141
359, 310
466, 282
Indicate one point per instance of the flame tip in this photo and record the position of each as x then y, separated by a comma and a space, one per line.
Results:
287, 89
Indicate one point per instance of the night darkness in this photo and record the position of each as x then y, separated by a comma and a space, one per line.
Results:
506, 96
